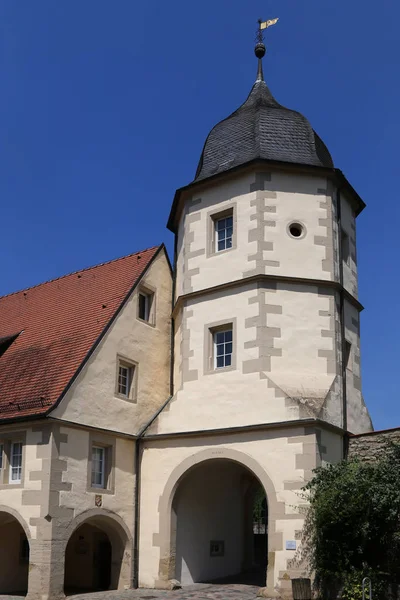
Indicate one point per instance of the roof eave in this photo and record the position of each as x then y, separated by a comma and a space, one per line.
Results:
335, 174
342, 181
194, 185
106, 328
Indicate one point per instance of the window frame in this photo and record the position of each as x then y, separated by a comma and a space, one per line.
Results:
132, 366
107, 444
150, 294
225, 239
210, 330
102, 471
213, 217
224, 344
12, 466
7, 442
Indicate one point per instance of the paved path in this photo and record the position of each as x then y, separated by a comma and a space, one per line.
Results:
193, 592
198, 591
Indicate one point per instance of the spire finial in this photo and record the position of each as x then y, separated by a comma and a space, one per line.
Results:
260, 49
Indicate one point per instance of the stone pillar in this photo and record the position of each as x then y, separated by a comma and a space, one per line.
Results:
46, 565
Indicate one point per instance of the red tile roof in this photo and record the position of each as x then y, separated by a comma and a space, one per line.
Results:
57, 323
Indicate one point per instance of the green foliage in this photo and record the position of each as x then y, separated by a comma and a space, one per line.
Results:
259, 506
352, 527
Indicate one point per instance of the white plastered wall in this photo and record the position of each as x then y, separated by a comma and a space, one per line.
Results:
358, 417
276, 454
348, 221
80, 498
210, 507
13, 496
298, 199
238, 397
92, 399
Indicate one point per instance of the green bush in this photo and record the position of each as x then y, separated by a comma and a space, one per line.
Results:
352, 527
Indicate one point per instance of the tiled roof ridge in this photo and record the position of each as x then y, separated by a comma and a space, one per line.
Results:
107, 262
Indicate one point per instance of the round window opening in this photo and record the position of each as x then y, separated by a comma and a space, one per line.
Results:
296, 230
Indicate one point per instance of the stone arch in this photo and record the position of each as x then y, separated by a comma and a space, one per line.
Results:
15, 538
164, 539
93, 513
17, 516
97, 535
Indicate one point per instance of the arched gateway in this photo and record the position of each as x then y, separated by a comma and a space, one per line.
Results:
207, 520
98, 554
14, 552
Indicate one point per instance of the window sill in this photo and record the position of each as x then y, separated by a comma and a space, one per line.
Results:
219, 252
126, 398
101, 491
11, 486
146, 322
220, 370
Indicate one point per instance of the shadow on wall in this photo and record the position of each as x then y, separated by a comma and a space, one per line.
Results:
94, 558
14, 556
217, 538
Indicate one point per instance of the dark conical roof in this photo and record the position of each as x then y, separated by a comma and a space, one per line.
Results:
261, 129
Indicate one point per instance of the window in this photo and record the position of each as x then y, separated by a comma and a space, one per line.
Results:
1, 460
297, 230
125, 378
345, 247
144, 307
16, 462
145, 311
223, 348
223, 233
98, 467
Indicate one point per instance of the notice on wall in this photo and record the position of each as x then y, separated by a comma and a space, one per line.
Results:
290, 545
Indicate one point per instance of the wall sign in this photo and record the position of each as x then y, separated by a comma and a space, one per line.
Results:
217, 548
290, 545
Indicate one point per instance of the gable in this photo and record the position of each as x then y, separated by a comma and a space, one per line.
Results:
60, 321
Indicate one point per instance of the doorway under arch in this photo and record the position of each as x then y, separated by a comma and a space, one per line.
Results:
219, 524
14, 556
95, 557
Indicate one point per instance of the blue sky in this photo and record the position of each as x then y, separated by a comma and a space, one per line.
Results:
104, 108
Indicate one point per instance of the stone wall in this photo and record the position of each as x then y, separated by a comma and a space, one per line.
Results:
370, 446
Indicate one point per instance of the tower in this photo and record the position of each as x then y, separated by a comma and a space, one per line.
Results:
266, 249
266, 343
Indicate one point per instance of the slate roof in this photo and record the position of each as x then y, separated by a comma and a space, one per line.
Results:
261, 129
47, 331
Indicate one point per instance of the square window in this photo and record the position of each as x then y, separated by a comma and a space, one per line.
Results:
223, 348
99, 456
16, 462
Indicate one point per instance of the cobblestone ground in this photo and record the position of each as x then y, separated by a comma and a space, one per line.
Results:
192, 592
198, 591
